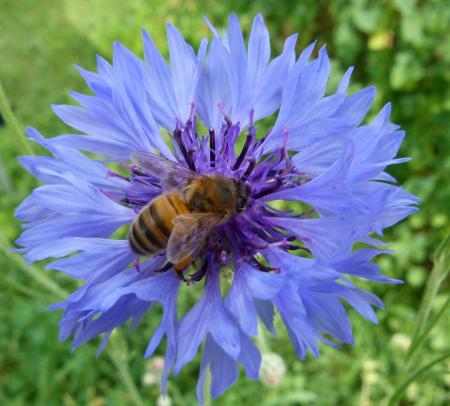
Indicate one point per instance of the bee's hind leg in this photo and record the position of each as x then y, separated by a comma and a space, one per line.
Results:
181, 267
164, 268
180, 274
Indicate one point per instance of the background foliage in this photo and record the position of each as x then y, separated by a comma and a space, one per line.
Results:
401, 46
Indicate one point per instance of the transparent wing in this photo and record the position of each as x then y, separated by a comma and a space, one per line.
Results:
189, 234
170, 173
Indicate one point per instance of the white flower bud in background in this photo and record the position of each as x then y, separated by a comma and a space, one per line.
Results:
370, 365
153, 371
401, 342
272, 369
370, 372
446, 379
372, 377
164, 400
413, 392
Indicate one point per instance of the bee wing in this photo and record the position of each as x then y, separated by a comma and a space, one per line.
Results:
170, 173
189, 234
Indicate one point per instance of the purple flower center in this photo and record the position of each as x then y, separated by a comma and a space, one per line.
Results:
247, 233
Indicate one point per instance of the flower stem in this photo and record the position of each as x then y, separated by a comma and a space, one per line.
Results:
423, 326
207, 389
119, 357
261, 338
13, 123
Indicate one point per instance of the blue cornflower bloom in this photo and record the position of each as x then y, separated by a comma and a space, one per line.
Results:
302, 265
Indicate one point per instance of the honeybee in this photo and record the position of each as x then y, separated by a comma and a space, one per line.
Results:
183, 216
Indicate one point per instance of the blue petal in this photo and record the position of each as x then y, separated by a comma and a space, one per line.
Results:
207, 316
224, 371
358, 264
334, 183
314, 159
258, 47
293, 313
98, 260
185, 69
266, 313
214, 88
159, 88
239, 303
362, 301
356, 106
249, 357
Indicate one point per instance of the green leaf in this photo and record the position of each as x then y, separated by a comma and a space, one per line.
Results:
406, 72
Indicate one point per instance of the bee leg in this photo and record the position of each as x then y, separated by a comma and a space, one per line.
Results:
137, 264
197, 276
181, 276
165, 268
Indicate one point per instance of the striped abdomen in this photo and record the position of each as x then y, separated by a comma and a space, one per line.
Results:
151, 228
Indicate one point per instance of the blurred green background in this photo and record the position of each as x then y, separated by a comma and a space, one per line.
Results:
402, 46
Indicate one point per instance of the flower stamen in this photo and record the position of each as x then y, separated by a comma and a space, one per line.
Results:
276, 184
212, 148
245, 148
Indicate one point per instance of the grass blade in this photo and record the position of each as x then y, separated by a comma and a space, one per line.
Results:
119, 358
416, 344
13, 123
5, 181
31, 270
440, 271
118, 352
396, 396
